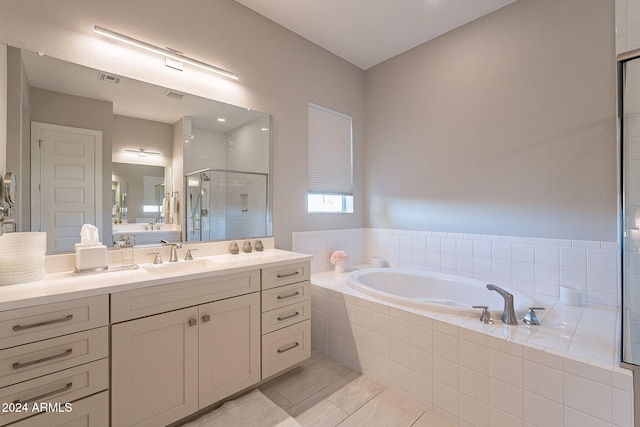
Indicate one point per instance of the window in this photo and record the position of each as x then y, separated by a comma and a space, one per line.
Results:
330, 161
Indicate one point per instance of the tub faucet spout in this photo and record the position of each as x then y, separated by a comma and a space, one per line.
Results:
509, 313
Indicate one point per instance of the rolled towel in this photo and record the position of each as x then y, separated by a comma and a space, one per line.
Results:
165, 208
173, 208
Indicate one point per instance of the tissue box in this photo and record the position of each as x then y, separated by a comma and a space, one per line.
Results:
91, 257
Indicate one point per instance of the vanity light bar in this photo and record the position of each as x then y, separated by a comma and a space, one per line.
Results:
177, 56
141, 152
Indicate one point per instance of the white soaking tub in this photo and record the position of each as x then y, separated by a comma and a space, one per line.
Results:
433, 291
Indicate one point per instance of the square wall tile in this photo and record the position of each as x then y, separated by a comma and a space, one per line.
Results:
543, 381
589, 397
473, 411
505, 397
506, 368
542, 412
445, 346
548, 255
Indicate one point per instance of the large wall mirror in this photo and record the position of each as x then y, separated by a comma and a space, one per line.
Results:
163, 161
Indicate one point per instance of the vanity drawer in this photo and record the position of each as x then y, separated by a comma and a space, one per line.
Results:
285, 295
273, 277
286, 347
286, 316
64, 386
40, 322
159, 299
44, 357
91, 411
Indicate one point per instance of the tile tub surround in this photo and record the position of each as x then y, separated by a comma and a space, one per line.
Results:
565, 372
531, 265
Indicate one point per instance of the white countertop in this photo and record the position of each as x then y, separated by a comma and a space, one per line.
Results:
588, 334
63, 286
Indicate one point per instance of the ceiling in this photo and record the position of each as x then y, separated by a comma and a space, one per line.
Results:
132, 98
367, 32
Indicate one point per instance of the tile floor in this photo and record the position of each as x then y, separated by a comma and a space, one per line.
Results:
324, 393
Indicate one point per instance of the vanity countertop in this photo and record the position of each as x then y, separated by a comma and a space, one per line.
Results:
56, 287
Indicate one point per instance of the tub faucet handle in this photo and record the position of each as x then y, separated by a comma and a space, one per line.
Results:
531, 318
485, 317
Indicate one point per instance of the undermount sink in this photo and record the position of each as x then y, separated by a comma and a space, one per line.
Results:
179, 267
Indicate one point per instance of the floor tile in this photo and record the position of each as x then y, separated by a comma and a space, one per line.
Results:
305, 405
322, 414
332, 388
322, 392
276, 397
355, 394
387, 409
429, 419
304, 381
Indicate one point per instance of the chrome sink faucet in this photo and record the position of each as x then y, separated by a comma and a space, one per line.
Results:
174, 250
509, 313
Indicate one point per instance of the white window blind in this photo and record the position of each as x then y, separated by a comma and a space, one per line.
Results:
330, 152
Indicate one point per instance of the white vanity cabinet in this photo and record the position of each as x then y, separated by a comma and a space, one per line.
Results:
55, 354
286, 317
152, 351
167, 366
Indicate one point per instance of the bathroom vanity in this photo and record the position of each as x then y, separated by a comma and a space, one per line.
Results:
180, 339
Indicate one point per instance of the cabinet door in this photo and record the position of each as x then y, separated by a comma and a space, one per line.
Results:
155, 369
229, 347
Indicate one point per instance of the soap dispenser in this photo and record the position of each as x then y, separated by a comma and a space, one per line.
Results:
126, 249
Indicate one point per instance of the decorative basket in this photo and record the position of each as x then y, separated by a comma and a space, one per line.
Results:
22, 257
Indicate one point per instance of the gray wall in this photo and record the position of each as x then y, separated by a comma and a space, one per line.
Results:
504, 126
280, 73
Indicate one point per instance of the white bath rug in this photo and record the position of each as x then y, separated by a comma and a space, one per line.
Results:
251, 410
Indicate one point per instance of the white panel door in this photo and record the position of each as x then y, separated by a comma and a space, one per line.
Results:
66, 182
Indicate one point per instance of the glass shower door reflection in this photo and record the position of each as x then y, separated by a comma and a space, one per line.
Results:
224, 205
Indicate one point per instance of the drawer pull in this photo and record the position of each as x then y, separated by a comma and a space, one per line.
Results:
48, 322
19, 365
193, 322
206, 318
291, 347
295, 294
283, 276
291, 316
45, 395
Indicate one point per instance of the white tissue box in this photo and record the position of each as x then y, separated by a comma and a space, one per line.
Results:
91, 257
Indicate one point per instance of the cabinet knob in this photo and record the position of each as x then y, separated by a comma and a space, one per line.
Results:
193, 322
206, 318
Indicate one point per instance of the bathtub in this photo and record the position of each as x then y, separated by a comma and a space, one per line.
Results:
433, 291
